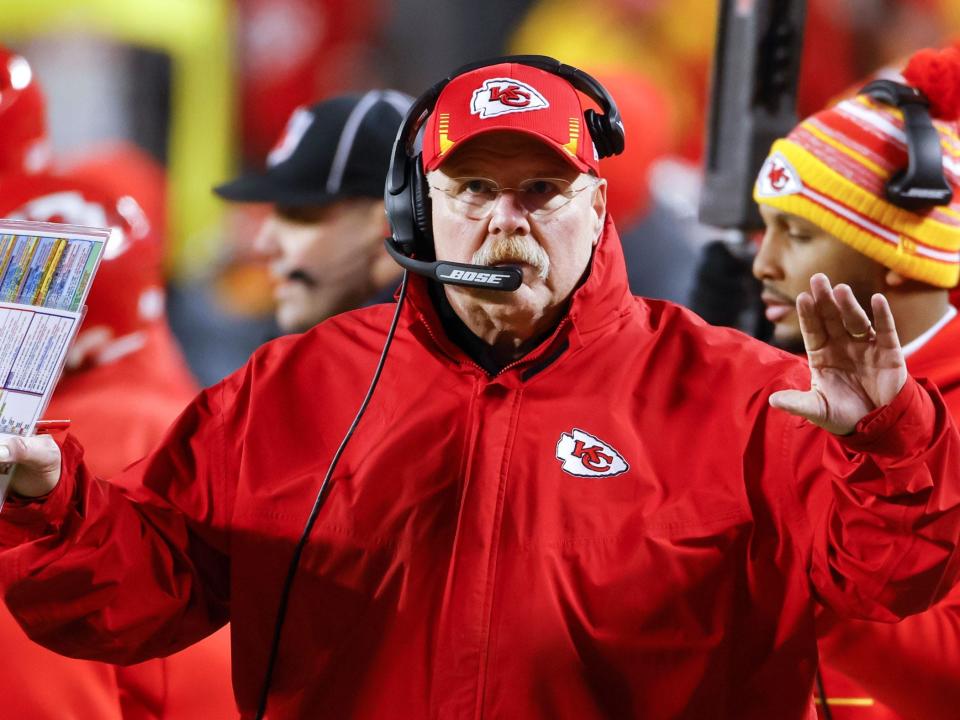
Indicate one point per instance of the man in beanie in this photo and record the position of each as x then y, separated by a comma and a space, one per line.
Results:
822, 196
558, 501
324, 180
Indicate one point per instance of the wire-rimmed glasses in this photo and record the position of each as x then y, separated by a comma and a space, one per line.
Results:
475, 197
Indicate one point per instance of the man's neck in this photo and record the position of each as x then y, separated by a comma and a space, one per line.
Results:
917, 311
491, 357
509, 331
384, 273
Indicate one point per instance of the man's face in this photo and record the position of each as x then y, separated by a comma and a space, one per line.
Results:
793, 249
553, 246
320, 258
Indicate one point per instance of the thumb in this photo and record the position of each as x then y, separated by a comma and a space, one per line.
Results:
37, 451
37, 461
807, 404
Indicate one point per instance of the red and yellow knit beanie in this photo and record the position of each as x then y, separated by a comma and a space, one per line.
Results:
832, 169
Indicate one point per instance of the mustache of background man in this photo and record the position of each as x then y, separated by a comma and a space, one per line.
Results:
350, 267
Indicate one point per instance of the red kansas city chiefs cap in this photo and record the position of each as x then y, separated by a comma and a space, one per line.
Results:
509, 96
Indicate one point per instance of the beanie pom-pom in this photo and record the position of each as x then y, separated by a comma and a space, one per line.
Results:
936, 73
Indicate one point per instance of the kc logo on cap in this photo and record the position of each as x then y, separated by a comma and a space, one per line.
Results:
512, 97
777, 177
499, 96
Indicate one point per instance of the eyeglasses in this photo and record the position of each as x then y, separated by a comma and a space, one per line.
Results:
476, 196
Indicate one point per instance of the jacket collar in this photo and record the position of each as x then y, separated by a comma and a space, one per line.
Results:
599, 301
937, 359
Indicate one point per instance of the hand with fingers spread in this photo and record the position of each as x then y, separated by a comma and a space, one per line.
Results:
855, 366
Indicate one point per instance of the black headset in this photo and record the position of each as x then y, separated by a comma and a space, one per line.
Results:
921, 184
406, 195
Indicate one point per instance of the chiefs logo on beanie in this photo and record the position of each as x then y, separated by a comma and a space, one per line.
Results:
833, 167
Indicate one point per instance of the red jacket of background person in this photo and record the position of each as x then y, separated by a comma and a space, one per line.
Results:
24, 146
928, 643
125, 381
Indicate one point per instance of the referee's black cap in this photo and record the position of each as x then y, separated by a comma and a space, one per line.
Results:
336, 149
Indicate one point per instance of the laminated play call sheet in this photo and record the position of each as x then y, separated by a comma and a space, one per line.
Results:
45, 274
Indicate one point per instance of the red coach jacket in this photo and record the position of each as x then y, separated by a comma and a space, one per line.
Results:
909, 670
617, 525
120, 411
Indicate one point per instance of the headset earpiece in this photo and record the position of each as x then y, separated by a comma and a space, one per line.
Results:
400, 217
405, 196
607, 137
921, 184
420, 202
594, 123
616, 133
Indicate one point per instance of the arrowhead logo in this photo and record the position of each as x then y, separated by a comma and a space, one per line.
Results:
297, 126
499, 96
777, 177
583, 455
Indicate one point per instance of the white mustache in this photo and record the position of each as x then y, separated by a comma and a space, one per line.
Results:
514, 248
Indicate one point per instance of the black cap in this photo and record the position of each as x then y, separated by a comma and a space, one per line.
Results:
335, 149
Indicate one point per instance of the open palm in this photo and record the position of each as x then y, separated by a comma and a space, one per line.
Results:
855, 367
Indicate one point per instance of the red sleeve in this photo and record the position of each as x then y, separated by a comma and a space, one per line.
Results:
911, 666
883, 533
134, 568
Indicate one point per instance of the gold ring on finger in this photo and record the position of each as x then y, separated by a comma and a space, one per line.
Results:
859, 335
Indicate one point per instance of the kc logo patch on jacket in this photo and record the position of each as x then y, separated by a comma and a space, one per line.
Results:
584, 455
499, 96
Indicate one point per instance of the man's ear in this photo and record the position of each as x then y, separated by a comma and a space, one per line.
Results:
599, 205
894, 279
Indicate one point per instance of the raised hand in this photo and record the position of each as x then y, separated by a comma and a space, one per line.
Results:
855, 367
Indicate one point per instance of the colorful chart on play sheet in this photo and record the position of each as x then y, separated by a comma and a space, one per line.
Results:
46, 271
